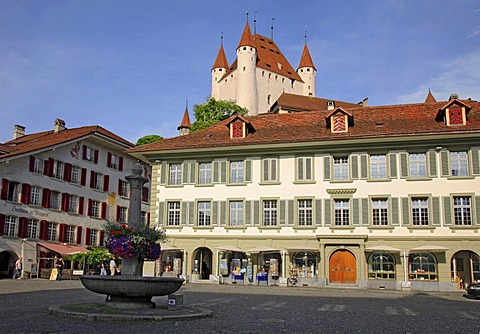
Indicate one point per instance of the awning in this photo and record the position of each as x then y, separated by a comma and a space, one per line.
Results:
170, 248
230, 249
260, 249
429, 248
383, 248
292, 249
62, 249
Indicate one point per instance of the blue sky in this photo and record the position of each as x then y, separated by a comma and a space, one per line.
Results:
130, 65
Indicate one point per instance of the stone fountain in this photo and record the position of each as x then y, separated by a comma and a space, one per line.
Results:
130, 289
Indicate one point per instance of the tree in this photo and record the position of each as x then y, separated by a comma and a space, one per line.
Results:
214, 111
148, 139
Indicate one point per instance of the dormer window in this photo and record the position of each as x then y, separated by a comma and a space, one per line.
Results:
455, 116
239, 127
237, 130
339, 123
454, 113
339, 120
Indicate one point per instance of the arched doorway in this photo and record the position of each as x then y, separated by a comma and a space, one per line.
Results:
202, 262
465, 267
343, 267
7, 262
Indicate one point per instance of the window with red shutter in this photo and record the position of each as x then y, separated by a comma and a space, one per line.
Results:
25, 198
89, 207
65, 198
46, 198
31, 166
2, 223
67, 172
79, 235
120, 164
95, 157
92, 179
22, 227
81, 204
109, 158
4, 193
87, 236
62, 236
102, 236
106, 182
83, 180
104, 210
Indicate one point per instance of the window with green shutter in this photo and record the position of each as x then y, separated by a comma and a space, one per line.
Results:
269, 169
304, 169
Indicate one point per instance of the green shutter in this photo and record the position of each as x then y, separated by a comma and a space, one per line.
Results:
223, 214
185, 168
308, 168
161, 214
354, 164
282, 213
363, 166
365, 212
257, 217
475, 161
183, 213
291, 212
477, 210
395, 218
223, 172
193, 172
327, 161
163, 173
356, 212
216, 172
318, 212
445, 164
393, 165
405, 212
191, 213
214, 221
248, 170
403, 165
300, 176
248, 213
265, 170
273, 173
436, 211
432, 163
447, 211
328, 209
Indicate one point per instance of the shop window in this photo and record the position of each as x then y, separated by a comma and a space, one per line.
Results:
304, 264
422, 267
381, 265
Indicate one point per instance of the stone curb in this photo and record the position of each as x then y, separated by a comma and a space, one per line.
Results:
189, 313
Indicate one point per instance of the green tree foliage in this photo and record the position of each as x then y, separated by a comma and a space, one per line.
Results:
213, 111
93, 256
148, 139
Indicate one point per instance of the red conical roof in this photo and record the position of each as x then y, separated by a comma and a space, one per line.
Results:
306, 60
430, 98
221, 61
185, 120
247, 38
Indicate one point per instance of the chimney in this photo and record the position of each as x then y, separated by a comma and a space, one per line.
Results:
18, 131
365, 102
453, 96
59, 125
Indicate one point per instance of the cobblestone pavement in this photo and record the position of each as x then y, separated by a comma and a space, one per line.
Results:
249, 309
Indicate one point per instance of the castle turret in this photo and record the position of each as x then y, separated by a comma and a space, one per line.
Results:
184, 127
307, 72
219, 69
246, 72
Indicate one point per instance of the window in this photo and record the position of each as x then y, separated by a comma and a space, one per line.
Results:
143, 218
340, 169
32, 229
14, 191
113, 163
122, 214
205, 173
462, 211
341, 212
269, 213
52, 231
420, 211
236, 172
75, 175
422, 267
70, 234
96, 207
10, 226
175, 174
236, 213
123, 188
58, 169
97, 181
38, 166
73, 204
203, 214
459, 163
54, 200
381, 265
269, 169
305, 215
418, 165
93, 237
380, 211
173, 214
378, 166
36, 196
88, 153
304, 168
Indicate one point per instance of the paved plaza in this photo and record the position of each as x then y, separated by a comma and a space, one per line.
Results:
247, 309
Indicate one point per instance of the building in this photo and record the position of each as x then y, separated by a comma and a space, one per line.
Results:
58, 188
375, 197
260, 74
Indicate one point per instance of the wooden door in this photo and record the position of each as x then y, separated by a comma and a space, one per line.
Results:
343, 268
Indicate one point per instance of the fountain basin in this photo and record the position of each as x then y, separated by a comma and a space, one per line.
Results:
131, 291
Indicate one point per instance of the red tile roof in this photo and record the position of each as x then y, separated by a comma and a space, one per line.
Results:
306, 59
221, 60
185, 120
246, 39
42, 140
294, 102
372, 122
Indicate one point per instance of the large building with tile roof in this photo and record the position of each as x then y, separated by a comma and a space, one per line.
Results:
373, 197
260, 74
58, 188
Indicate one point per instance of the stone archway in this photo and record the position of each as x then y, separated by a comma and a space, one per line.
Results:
7, 262
465, 267
202, 260
343, 267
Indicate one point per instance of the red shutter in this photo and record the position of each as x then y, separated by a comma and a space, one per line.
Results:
89, 207
118, 212
120, 163
26, 189
83, 180
102, 236
119, 187
106, 182
46, 198
148, 218
62, 236
92, 179
81, 204
79, 235
109, 159
43, 235
95, 157
84, 154
48, 167
87, 236
104, 210
5, 184
67, 172
65, 198
22, 227
2, 223
32, 163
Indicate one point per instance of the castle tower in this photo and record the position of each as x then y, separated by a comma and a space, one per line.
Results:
307, 72
184, 127
246, 90
219, 69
